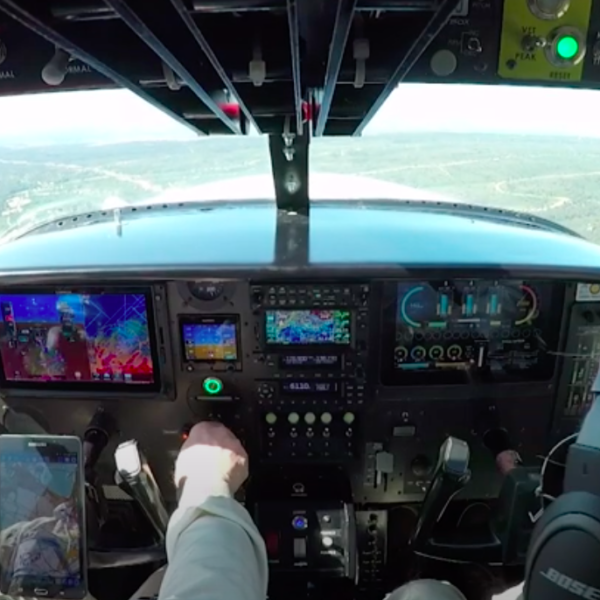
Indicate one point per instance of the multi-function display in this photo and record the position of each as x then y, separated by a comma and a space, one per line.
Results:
463, 331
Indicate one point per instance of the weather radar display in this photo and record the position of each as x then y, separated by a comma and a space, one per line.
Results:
308, 327
76, 338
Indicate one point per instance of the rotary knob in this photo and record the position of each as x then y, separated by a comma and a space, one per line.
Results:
326, 418
421, 466
349, 418
266, 391
310, 418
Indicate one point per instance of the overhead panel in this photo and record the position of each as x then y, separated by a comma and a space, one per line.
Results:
60, 55
318, 66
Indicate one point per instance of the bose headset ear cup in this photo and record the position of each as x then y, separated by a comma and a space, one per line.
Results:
564, 552
554, 509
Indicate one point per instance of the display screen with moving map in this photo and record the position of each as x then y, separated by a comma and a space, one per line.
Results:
469, 331
78, 340
210, 339
42, 550
314, 327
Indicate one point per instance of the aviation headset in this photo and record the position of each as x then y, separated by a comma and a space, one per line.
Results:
563, 559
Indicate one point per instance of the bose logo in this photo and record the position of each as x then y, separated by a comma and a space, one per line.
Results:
578, 588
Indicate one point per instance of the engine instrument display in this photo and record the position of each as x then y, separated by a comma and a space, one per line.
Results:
209, 339
472, 330
309, 327
78, 339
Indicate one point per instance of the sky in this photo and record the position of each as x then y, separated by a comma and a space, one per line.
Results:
120, 116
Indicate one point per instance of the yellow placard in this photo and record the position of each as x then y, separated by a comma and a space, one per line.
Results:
519, 22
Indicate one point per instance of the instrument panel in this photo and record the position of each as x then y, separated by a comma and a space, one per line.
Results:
370, 376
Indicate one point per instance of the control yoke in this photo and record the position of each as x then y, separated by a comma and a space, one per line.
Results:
137, 480
450, 476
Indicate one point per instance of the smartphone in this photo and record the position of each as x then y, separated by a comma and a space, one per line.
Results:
42, 517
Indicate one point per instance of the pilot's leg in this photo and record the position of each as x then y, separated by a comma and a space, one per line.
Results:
426, 589
150, 588
513, 593
431, 589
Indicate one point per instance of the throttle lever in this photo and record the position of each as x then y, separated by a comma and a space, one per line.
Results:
451, 474
137, 480
95, 439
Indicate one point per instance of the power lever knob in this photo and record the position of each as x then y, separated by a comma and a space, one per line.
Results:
450, 476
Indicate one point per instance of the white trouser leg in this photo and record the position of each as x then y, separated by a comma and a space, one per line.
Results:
426, 589
150, 587
431, 589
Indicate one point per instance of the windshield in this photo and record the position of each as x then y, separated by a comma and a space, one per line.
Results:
533, 150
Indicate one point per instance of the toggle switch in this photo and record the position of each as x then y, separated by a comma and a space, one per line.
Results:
384, 466
299, 547
272, 543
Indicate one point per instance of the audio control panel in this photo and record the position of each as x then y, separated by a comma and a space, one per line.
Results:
302, 433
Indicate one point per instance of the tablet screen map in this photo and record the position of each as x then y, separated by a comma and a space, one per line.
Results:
39, 525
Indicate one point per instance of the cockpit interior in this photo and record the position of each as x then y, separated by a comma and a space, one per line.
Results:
407, 378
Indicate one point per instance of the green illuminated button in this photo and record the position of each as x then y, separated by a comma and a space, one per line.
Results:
567, 47
212, 386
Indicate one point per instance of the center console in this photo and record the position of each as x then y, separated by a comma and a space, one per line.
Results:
311, 381
308, 521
